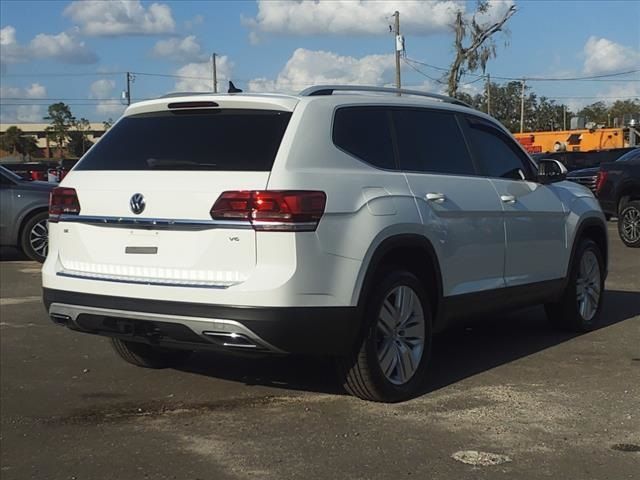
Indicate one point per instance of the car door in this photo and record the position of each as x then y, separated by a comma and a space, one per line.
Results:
534, 215
460, 210
7, 219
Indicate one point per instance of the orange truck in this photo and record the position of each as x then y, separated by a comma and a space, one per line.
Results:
582, 140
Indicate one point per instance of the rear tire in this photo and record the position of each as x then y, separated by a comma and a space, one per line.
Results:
34, 238
629, 224
578, 309
390, 361
149, 356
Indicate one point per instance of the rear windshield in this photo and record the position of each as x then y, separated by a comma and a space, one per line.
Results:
230, 140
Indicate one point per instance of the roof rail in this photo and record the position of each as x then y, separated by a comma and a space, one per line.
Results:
319, 90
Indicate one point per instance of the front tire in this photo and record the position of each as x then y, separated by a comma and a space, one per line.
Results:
390, 361
34, 238
579, 307
149, 356
629, 224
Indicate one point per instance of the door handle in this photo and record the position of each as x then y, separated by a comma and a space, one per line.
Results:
435, 197
508, 199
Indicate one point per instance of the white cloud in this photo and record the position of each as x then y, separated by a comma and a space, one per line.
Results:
196, 20
29, 114
495, 11
64, 47
35, 90
605, 56
120, 17
179, 50
309, 67
21, 113
102, 88
352, 17
197, 77
109, 105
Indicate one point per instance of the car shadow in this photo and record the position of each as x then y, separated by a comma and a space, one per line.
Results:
474, 346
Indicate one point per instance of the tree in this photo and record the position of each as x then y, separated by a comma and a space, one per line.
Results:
82, 128
596, 112
11, 139
61, 122
107, 124
15, 141
480, 48
78, 143
620, 108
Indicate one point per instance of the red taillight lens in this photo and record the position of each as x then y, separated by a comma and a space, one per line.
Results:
285, 210
63, 200
600, 179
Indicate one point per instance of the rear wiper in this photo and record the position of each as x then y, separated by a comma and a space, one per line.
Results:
169, 163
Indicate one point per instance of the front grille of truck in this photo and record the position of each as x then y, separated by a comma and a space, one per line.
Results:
589, 181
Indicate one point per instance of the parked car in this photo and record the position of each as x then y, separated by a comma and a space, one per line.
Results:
350, 225
24, 214
594, 180
618, 190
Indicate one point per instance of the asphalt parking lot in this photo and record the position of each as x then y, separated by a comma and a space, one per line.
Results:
548, 404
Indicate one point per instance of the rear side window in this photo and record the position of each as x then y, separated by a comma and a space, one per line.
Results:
431, 141
499, 156
224, 139
364, 133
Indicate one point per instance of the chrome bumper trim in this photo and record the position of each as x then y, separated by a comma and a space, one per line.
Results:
204, 327
143, 281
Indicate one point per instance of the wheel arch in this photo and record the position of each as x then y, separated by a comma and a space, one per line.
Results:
594, 229
414, 252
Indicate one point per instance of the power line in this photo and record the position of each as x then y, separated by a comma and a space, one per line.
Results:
603, 77
422, 73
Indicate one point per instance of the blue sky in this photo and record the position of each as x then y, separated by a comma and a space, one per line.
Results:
285, 46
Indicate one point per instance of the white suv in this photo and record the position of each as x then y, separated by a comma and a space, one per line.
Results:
344, 221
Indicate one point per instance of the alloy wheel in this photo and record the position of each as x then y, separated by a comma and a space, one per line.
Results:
39, 238
588, 288
630, 230
400, 335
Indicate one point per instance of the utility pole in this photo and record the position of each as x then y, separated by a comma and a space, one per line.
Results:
522, 108
564, 117
128, 99
215, 73
398, 44
488, 94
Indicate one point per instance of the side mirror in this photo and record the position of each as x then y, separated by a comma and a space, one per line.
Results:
551, 171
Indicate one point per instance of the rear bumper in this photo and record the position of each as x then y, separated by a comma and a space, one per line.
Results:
305, 330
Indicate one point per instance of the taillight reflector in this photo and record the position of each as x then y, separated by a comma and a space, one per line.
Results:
63, 200
600, 179
276, 210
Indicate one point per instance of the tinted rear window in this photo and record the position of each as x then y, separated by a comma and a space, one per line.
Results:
230, 140
364, 133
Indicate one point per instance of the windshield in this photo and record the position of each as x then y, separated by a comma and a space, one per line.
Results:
211, 139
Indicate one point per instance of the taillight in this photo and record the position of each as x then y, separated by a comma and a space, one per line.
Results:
600, 179
284, 210
63, 200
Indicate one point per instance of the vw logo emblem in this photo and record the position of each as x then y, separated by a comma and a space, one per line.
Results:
137, 203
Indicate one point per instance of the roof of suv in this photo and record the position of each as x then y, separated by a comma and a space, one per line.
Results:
335, 94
